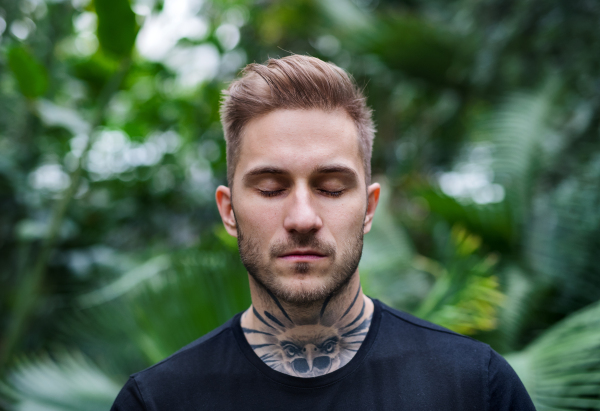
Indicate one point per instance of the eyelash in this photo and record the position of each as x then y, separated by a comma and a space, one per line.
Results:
269, 193
332, 193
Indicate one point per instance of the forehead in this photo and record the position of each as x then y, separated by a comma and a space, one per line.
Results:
300, 140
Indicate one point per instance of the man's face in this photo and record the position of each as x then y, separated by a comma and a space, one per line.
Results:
299, 202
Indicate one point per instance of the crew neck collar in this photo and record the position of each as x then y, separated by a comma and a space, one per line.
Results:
313, 382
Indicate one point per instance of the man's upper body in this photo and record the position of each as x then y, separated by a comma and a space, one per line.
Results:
299, 139
404, 364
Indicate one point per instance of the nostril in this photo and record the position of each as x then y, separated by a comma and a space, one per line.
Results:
300, 365
321, 362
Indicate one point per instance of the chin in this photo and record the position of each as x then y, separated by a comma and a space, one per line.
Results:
303, 288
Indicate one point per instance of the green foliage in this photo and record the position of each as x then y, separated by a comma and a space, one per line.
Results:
561, 369
95, 70
117, 28
460, 293
30, 74
494, 222
133, 323
418, 48
68, 382
517, 129
465, 296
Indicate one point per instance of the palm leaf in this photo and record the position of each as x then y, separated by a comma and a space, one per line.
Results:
204, 290
160, 311
70, 382
466, 295
563, 237
517, 129
561, 369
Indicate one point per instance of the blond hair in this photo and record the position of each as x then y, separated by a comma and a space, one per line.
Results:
293, 82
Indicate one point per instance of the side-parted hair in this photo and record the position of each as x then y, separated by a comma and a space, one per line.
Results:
293, 82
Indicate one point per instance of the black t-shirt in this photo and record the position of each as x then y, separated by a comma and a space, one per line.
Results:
404, 363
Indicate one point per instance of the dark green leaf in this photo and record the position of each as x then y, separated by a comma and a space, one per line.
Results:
95, 70
31, 75
117, 28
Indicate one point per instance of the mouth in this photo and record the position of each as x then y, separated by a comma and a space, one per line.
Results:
302, 255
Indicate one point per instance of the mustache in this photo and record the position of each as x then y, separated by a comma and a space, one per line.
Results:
297, 240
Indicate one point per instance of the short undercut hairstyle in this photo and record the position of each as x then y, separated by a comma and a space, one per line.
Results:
292, 83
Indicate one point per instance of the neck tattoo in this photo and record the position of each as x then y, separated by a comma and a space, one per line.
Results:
308, 350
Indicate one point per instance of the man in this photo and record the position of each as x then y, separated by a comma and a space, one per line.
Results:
300, 199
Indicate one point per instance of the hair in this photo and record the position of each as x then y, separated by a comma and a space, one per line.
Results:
293, 82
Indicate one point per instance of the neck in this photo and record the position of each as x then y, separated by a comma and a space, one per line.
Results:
308, 339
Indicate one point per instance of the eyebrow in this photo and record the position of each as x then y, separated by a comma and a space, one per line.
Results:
335, 168
327, 169
264, 170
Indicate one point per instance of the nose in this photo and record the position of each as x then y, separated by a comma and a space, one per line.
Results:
301, 215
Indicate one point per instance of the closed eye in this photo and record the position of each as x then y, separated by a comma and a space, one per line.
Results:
332, 193
266, 193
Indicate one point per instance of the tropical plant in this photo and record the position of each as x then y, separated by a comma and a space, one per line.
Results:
110, 150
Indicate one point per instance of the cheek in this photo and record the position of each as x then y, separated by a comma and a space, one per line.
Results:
258, 219
345, 219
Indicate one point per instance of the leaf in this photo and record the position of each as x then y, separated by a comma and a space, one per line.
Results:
30, 74
492, 222
466, 296
96, 70
127, 281
523, 292
516, 129
562, 240
561, 369
474, 308
69, 383
205, 289
117, 28
167, 302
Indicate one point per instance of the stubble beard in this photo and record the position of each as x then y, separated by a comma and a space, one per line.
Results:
338, 275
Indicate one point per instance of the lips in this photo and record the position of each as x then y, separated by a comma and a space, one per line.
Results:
302, 254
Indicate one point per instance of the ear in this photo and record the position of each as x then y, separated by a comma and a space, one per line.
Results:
223, 197
373, 192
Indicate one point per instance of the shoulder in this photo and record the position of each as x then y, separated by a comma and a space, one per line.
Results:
405, 321
407, 333
199, 354
447, 363
194, 364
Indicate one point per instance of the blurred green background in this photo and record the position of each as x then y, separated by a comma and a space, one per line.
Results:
112, 254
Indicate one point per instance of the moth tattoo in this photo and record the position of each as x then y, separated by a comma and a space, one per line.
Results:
308, 350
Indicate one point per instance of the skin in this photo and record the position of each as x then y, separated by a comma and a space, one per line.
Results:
299, 209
